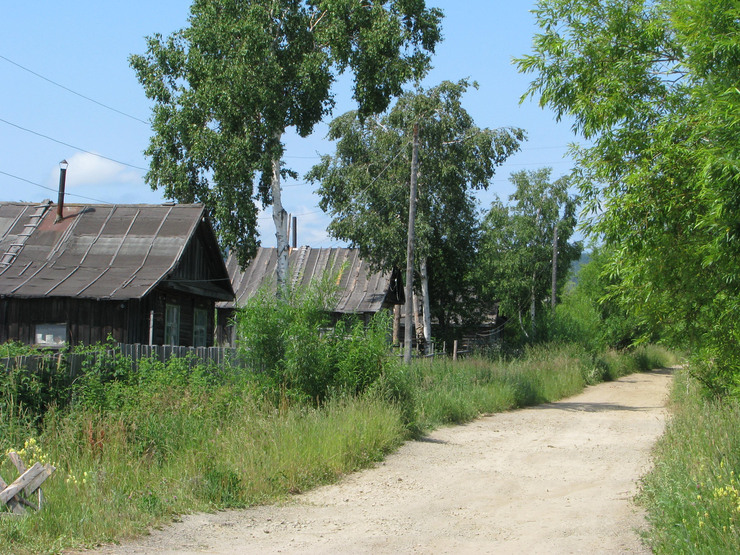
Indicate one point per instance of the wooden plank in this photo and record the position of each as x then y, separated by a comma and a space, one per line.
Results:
13, 503
26, 502
19, 484
36, 482
17, 461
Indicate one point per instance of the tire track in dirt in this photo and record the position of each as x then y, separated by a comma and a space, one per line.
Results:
557, 478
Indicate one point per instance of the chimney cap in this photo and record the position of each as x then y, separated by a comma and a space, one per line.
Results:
64, 164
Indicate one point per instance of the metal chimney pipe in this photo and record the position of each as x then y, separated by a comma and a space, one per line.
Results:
62, 181
295, 232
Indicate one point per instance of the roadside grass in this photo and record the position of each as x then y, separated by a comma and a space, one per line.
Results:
692, 495
455, 392
133, 453
118, 475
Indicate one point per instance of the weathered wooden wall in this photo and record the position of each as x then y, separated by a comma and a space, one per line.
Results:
90, 321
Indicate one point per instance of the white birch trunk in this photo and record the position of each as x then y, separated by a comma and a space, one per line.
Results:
280, 218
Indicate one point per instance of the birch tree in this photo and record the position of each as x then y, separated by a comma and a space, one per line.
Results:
516, 248
364, 185
226, 88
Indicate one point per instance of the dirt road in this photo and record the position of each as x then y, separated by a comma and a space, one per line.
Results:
559, 478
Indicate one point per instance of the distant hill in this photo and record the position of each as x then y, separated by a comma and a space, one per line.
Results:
575, 268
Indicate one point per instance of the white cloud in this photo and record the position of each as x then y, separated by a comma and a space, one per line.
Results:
88, 169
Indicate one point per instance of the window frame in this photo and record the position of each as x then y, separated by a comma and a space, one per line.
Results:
51, 329
200, 329
171, 324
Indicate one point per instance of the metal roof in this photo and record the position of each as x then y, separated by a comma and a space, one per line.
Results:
360, 290
96, 251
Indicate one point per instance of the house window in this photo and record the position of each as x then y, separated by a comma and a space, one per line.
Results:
200, 327
172, 325
51, 335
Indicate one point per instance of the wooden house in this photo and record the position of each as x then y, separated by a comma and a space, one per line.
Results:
147, 274
360, 290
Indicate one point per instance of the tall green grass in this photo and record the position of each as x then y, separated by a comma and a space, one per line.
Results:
186, 450
692, 495
454, 392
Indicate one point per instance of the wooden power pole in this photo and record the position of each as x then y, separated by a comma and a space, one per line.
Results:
553, 298
409, 322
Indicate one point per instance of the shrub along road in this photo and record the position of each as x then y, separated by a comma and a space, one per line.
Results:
557, 478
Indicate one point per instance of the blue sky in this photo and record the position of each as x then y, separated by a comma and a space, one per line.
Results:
84, 47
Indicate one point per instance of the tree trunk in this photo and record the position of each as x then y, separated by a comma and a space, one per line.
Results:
532, 306
397, 324
553, 294
427, 310
410, 248
418, 327
280, 218
521, 324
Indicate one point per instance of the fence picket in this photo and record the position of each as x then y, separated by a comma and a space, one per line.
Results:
75, 362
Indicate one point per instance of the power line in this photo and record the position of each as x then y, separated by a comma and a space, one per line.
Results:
53, 190
73, 92
71, 146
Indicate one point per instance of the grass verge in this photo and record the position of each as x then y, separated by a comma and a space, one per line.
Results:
692, 495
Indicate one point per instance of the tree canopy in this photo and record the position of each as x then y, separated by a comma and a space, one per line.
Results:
653, 84
364, 186
226, 87
516, 247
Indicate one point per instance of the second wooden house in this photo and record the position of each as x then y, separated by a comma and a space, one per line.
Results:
361, 291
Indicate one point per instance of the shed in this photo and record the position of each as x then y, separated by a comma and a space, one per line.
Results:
361, 291
146, 274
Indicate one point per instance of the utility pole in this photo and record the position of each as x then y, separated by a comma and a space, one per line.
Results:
554, 265
408, 323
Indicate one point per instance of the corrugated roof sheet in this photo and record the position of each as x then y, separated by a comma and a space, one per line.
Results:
95, 251
360, 289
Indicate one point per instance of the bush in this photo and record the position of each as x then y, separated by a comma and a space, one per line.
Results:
289, 343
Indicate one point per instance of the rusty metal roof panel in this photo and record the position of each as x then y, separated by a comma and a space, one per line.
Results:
95, 251
359, 289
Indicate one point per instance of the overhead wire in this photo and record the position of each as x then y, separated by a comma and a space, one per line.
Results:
70, 146
52, 189
106, 106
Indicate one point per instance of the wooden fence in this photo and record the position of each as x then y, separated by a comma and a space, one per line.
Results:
74, 363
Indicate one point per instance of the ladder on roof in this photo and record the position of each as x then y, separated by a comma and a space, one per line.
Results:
15, 248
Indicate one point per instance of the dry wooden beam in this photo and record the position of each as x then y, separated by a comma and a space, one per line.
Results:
25, 479
13, 503
15, 458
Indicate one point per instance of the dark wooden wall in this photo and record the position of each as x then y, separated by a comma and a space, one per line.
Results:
90, 321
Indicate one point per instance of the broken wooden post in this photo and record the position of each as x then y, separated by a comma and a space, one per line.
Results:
29, 482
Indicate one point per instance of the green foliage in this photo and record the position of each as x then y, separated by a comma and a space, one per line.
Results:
516, 248
590, 312
289, 343
176, 448
364, 187
27, 390
455, 392
395, 387
692, 494
226, 88
653, 85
